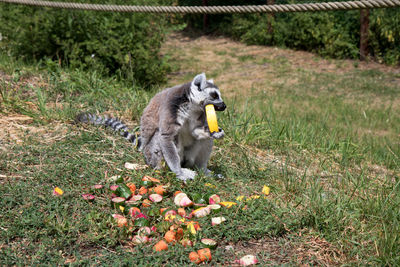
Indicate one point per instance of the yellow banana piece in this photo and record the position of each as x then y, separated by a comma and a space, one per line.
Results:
211, 118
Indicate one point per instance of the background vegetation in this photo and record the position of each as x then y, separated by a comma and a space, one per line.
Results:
125, 45
322, 133
334, 34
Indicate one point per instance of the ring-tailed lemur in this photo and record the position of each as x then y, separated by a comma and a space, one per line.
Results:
173, 127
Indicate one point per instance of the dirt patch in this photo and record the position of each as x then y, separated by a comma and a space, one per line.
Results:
302, 249
14, 128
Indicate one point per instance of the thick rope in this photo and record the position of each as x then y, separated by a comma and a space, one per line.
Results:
216, 9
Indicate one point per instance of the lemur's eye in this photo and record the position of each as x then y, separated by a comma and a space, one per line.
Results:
214, 95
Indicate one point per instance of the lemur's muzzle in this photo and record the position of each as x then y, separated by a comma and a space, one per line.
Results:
220, 106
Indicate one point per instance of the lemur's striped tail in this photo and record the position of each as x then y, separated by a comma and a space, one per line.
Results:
113, 123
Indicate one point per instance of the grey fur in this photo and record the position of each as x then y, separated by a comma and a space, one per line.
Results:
173, 127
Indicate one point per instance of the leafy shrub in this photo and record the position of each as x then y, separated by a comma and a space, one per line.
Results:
385, 35
334, 34
113, 43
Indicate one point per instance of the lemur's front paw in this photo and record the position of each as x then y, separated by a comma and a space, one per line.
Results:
218, 135
186, 174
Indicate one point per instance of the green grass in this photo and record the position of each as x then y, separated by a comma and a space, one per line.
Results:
327, 145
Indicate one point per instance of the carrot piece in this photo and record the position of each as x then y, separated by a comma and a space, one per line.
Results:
159, 189
182, 212
133, 211
186, 243
142, 190
162, 210
161, 245
149, 178
194, 257
146, 203
179, 234
170, 236
132, 187
204, 254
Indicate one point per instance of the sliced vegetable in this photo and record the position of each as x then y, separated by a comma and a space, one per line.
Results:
169, 212
88, 197
240, 198
248, 260
162, 210
209, 243
266, 190
134, 166
132, 187
146, 203
201, 212
170, 236
186, 242
123, 191
118, 202
227, 204
214, 199
97, 187
204, 254
134, 211
194, 257
182, 200
182, 212
217, 220
177, 192
140, 239
149, 178
252, 197
58, 191
134, 201
193, 227
155, 198
144, 231
142, 190
179, 234
113, 187
161, 245
159, 189
120, 220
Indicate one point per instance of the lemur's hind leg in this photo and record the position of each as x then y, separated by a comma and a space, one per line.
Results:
203, 149
153, 154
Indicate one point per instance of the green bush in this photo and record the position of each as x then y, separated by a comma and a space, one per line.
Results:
333, 34
385, 35
122, 44
315, 32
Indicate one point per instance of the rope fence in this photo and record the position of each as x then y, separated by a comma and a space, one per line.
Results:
327, 6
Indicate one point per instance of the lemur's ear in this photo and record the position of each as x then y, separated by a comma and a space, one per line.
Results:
200, 81
211, 81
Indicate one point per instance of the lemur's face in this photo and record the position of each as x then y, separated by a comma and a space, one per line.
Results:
203, 92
